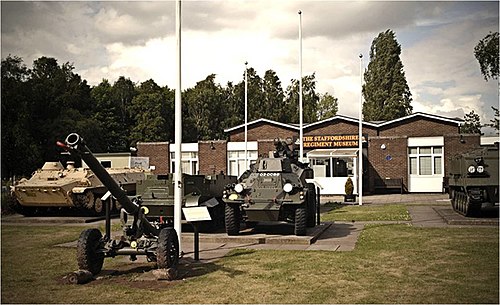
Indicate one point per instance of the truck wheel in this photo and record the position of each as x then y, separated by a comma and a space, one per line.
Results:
300, 221
167, 255
232, 217
87, 251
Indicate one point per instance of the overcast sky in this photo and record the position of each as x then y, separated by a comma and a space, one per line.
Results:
105, 40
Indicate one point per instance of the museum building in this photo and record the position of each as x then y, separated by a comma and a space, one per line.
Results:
409, 154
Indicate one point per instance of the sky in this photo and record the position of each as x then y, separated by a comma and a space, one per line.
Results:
136, 39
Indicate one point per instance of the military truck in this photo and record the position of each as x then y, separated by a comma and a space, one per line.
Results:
273, 189
157, 194
54, 187
473, 180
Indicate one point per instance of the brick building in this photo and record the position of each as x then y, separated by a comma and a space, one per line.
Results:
412, 151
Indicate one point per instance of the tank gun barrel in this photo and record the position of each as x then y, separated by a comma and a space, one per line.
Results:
75, 144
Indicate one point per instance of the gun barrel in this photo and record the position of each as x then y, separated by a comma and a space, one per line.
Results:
76, 145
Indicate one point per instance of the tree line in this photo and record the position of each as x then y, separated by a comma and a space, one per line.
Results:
43, 104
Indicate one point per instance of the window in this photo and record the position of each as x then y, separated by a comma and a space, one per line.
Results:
425, 160
189, 162
236, 161
333, 167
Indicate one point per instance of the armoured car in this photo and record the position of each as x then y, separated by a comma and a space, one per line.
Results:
273, 189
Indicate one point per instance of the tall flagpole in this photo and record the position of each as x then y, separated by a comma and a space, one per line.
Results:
246, 117
178, 192
360, 135
301, 123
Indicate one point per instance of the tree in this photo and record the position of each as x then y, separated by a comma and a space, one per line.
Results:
494, 122
472, 123
487, 53
327, 106
273, 96
290, 112
386, 92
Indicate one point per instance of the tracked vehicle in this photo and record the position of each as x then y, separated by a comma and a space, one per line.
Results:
273, 189
157, 194
473, 180
157, 241
54, 187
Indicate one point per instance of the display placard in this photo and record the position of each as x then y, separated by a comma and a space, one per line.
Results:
196, 214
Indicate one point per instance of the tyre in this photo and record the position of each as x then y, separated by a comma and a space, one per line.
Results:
88, 252
311, 205
167, 255
300, 221
232, 217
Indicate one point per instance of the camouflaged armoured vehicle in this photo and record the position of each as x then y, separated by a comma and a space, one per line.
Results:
273, 189
156, 192
54, 187
473, 180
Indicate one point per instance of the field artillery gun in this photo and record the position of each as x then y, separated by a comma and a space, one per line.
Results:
473, 180
273, 189
158, 242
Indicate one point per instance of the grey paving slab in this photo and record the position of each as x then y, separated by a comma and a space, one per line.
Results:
425, 216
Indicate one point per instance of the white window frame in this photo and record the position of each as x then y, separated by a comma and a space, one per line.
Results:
189, 157
418, 155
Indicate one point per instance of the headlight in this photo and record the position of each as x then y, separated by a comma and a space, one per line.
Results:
238, 188
480, 169
288, 187
471, 169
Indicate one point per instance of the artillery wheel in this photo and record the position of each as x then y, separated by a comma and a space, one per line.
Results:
232, 216
167, 255
87, 251
300, 221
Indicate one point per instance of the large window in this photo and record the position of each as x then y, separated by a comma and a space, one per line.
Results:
189, 163
426, 160
236, 160
333, 167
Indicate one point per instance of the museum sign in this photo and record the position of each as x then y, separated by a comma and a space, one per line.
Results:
333, 141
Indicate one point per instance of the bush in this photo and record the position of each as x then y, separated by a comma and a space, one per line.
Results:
349, 186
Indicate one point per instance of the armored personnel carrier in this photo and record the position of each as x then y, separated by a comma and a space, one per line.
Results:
273, 189
54, 187
473, 180
156, 192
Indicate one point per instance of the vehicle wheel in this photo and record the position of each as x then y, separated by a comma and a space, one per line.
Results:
232, 216
98, 206
167, 254
471, 209
300, 221
87, 251
311, 206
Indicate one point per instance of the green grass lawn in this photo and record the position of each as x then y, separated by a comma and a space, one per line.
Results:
391, 264
386, 212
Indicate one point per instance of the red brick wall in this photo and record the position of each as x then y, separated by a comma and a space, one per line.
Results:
158, 153
212, 160
339, 128
418, 127
263, 131
264, 147
379, 167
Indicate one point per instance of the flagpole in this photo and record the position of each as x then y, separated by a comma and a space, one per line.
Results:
246, 117
178, 192
360, 134
301, 122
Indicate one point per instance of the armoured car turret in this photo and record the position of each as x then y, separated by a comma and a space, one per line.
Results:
273, 189
473, 180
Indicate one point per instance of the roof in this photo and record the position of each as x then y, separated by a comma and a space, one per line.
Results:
350, 119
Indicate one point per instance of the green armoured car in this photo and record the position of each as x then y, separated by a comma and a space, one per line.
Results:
156, 193
273, 189
473, 180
